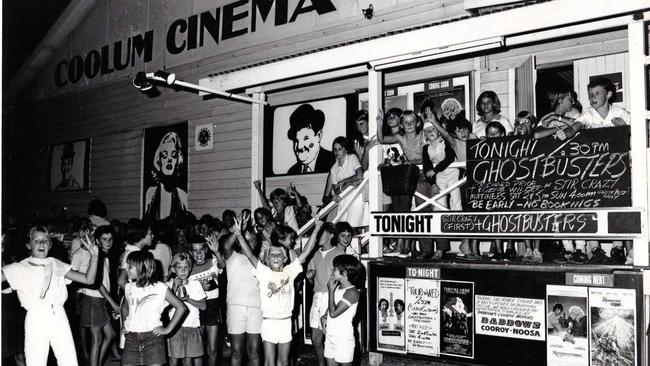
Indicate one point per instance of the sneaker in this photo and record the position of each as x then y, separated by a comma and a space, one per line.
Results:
498, 257
467, 257
390, 247
579, 257
598, 256
617, 254
404, 254
565, 257
510, 254
629, 260
528, 256
537, 257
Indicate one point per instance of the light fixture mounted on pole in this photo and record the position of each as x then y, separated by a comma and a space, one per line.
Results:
143, 81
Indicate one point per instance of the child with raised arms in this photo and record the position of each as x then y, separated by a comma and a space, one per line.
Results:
344, 291
277, 293
145, 300
208, 264
40, 282
187, 343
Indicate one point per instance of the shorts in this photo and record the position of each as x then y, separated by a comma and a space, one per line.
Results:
212, 313
341, 350
276, 331
143, 349
185, 343
318, 308
92, 311
242, 319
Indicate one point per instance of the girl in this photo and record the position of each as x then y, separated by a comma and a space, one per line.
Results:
562, 113
411, 140
41, 285
525, 124
437, 154
145, 301
288, 207
277, 294
286, 237
488, 107
186, 344
243, 314
206, 270
344, 288
345, 234
346, 171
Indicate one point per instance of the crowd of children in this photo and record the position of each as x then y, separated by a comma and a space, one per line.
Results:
154, 293
437, 141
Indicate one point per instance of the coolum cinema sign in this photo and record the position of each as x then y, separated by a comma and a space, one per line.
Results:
229, 21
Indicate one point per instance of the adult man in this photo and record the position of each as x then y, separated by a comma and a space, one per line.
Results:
68, 181
306, 132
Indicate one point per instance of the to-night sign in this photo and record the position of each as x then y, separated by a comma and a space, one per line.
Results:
229, 21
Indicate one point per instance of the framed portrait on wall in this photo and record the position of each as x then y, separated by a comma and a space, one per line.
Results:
69, 166
164, 171
298, 137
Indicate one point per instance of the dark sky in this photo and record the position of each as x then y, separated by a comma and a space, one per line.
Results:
24, 24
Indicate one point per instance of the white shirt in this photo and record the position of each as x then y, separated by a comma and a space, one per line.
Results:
26, 277
145, 306
81, 262
276, 289
208, 273
194, 292
590, 118
243, 288
162, 253
479, 126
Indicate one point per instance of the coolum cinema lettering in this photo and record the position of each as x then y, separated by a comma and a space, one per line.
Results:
184, 34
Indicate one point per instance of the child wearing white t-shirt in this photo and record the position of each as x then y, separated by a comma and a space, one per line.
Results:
186, 344
145, 300
277, 293
40, 282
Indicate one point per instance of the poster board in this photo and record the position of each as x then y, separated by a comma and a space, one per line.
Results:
69, 166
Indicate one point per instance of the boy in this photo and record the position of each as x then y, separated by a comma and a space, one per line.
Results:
319, 270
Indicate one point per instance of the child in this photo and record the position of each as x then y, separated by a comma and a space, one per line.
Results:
93, 313
243, 314
206, 270
437, 155
319, 270
344, 239
285, 236
41, 285
277, 294
488, 107
141, 236
146, 299
186, 344
344, 287
289, 207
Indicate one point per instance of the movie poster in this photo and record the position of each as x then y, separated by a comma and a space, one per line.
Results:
613, 326
391, 335
457, 324
566, 326
164, 171
447, 100
510, 317
423, 316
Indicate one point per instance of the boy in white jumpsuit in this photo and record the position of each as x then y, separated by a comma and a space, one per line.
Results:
41, 285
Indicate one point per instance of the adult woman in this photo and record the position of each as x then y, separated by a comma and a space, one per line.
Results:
345, 172
165, 198
488, 107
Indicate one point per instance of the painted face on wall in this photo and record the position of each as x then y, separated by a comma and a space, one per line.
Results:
66, 167
306, 145
168, 158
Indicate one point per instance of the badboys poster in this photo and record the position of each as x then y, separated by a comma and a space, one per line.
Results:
390, 315
566, 326
510, 317
423, 316
613, 327
457, 325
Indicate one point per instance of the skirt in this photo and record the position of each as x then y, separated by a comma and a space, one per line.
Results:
185, 343
92, 311
143, 349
